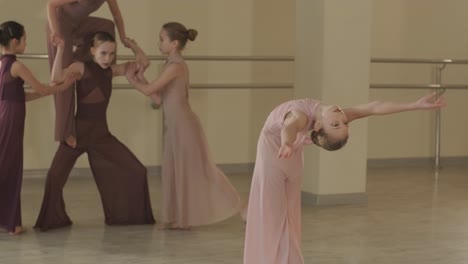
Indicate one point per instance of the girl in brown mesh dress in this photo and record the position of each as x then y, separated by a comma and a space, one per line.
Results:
120, 177
13, 74
195, 192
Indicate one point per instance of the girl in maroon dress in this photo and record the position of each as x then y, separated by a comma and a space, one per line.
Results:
119, 175
13, 74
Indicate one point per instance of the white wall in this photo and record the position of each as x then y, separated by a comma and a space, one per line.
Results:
419, 29
232, 118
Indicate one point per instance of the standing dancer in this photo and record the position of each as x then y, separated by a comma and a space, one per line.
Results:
13, 74
273, 233
195, 192
120, 177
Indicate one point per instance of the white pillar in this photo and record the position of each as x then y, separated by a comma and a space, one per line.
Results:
332, 64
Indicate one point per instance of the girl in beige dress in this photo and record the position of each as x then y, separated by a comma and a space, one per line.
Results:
195, 192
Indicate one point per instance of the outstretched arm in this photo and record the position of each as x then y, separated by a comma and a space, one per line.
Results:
294, 122
20, 70
427, 102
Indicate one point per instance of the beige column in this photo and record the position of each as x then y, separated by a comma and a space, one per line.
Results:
332, 65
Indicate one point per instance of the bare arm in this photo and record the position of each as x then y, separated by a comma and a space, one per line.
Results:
294, 122
156, 86
20, 70
118, 19
32, 95
59, 74
427, 102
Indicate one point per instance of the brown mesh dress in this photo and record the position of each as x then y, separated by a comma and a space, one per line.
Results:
12, 115
120, 177
76, 27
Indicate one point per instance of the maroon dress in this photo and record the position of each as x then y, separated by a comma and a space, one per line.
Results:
12, 115
120, 177
76, 27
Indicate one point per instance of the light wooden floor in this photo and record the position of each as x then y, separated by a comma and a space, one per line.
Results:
413, 216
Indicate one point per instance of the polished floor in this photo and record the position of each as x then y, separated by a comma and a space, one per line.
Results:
413, 216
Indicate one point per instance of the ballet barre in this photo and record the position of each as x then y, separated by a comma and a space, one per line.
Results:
438, 86
188, 57
418, 61
224, 86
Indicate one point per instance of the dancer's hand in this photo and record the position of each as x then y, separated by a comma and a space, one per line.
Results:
59, 43
285, 151
71, 141
127, 42
132, 70
431, 101
124, 41
157, 100
56, 38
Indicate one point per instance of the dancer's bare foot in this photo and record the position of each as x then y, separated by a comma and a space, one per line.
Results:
164, 226
184, 228
18, 231
173, 226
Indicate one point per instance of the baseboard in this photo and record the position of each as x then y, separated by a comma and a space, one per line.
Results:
416, 162
333, 199
247, 168
230, 169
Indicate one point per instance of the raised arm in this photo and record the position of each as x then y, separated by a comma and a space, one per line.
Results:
118, 20
59, 74
294, 122
52, 6
427, 102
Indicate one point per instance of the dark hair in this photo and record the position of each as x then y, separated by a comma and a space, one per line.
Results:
177, 31
321, 139
101, 36
10, 30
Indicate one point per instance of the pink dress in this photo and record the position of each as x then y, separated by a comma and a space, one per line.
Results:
273, 233
195, 192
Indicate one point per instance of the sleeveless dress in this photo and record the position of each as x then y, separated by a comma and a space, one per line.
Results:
195, 192
12, 115
273, 232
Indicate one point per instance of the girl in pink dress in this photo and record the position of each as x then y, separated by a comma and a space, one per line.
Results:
273, 233
13, 97
69, 21
195, 192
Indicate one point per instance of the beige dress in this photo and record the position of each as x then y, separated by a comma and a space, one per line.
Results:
195, 192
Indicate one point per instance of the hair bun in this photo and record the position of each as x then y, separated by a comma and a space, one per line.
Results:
192, 34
